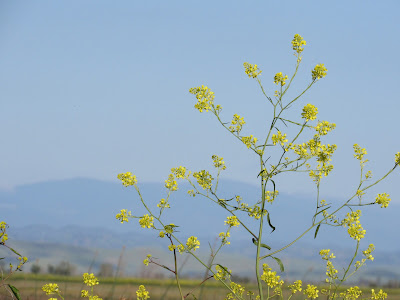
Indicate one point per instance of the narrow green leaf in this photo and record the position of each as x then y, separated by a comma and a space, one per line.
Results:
322, 210
261, 245
15, 252
279, 263
15, 291
269, 223
316, 231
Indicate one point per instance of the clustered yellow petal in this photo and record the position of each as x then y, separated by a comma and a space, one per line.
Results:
222, 273
352, 221
124, 215
397, 158
204, 179
3, 234
127, 179
297, 43
324, 127
279, 79
204, 96
351, 293
279, 138
146, 221
318, 72
171, 183
249, 141
311, 291
232, 221
218, 162
142, 294
50, 288
251, 70
236, 124
90, 279
309, 112
237, 291
192, 243
382, 199
296, 286
377, 296
270, 277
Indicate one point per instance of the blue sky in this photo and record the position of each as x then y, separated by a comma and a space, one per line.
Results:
95, 88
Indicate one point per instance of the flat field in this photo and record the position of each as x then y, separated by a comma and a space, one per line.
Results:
29, 286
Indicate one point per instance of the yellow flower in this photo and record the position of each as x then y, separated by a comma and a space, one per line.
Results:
296, 286
84, 294
171, 183
249, 141
297, 43
232, 221
205, 98
318, 72
204, 179
146, 221
123, 215
383, 199
311, 291
251, 70
280, 79
237, 123
270, 278
324, 127
218, 162
222, 273
379, 295
90, 279
127, 179
192, 243
279, 138
50, 288
179, 172
309, 112
397, 158
351, 293
142, 294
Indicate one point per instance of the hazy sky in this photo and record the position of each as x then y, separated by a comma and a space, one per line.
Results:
95, 88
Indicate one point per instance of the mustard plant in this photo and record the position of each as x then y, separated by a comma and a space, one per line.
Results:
5, 275
312, 156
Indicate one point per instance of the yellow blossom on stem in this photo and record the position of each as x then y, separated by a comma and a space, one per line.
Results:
309, 112
297, 43
142, 294
90, 279
50, 288
123, 215
251, 70
127, 179
192, 243
146, 221
318, 72
232, 221
311, 291
218, 162
204, 179
379, 295
279, 138
205, 98
383, 199
249, 141
280, 79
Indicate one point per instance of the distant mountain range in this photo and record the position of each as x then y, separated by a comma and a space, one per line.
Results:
78, 216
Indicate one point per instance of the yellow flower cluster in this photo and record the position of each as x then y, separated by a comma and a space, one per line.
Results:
192, 243
142, 294
163, 204
249, 141
222, 273
90, 279
3, 234
146, 261
237, 291
326, 255
352, 221
351, 293
297, 43
232, 221
359, 153
218, 162
311, 291
271, 195
367, 253
224, 237
397, 158
324, 127
383, 199
171, 183
251, 70
204, 179
379, 295
146, 221
124, 215
169, 228
180, 172
270, 278
318, 72
280, 79
254, 212
309, 112
236, 124
127, 179
205, 98
279, 138
296, 286
50, 288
